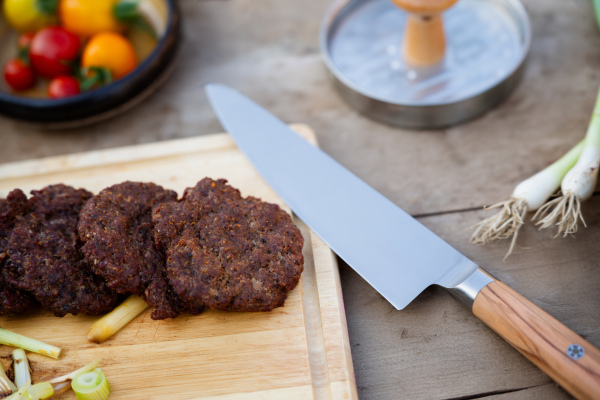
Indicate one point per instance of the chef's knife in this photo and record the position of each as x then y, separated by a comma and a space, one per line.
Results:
391, 250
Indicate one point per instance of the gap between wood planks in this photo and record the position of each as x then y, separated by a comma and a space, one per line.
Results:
437, 213
494, 393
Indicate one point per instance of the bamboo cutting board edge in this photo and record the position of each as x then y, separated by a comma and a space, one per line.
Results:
326, 334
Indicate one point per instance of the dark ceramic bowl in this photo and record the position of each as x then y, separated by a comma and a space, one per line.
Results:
105, 102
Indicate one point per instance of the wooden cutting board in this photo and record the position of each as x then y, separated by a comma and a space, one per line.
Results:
298, 351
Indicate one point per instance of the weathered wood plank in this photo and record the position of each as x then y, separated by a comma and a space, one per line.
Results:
269, 50
435, 348
549, 392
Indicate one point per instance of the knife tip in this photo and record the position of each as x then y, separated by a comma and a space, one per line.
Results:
212, 86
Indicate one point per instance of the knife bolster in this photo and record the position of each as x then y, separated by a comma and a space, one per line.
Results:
467, 290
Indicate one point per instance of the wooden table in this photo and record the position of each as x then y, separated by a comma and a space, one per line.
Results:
434, 349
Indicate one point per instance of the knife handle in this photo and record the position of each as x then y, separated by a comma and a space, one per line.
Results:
565, 356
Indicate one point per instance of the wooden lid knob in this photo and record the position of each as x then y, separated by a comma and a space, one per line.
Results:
424, 38
424, 6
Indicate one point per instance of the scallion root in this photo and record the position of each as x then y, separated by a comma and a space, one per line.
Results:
505, 224
563, 212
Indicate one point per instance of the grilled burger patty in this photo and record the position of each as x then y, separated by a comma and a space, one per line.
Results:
211, 249
226, 252
116, 229
12, 300
45, 258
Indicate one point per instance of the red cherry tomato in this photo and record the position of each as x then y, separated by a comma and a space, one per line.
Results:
63, 86
25, 40
18, 74
53, 50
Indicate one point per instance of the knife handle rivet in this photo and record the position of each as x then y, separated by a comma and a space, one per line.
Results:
575, 351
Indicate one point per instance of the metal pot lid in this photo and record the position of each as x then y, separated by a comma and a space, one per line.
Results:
486, 45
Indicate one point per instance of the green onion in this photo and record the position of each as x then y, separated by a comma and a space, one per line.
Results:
597, 10
15, 340
40, 391
6, 385
63, 383
91, 385
112, 322
89, 367
529, 195
21, 394
21, 367
579, 183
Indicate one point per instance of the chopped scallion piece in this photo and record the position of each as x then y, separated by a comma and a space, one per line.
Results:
15, 340
62, 387
112, 322
6, 385
89, 367
21, 367
40, 391
20, 394
91, 385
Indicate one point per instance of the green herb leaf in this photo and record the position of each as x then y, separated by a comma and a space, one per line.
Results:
126, 11
48, 7
92, 77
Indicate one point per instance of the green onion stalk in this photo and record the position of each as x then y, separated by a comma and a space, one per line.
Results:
112, 322
579, 183
15, 340
529, 195
597, 10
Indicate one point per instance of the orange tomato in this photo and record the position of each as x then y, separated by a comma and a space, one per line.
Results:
88, 17
111, 51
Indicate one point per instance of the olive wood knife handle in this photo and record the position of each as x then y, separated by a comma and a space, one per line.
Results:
562, 354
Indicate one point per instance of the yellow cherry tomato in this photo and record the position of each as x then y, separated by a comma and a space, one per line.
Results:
111, 51
29, 15
88, 17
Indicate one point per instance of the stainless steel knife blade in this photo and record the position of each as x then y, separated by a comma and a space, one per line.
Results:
390, 249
